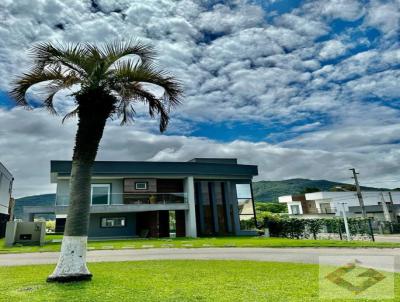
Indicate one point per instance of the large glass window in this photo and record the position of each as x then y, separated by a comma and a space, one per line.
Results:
100, 194
245, 205
295, 209
112, 222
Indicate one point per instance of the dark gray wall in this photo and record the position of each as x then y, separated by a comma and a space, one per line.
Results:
95, 229
3, 223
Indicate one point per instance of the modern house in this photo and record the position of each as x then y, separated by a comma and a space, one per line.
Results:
6, 202
201, 197
382, 206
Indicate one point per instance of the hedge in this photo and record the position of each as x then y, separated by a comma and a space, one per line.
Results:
307, 228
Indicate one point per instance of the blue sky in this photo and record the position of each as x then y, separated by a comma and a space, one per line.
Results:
301, 88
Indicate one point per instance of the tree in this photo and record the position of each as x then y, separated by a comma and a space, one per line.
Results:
110, 81
310, 190
272, 207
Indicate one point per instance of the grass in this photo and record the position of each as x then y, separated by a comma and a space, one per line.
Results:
181, 280
51, 246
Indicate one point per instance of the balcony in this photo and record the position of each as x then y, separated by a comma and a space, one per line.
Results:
120, 199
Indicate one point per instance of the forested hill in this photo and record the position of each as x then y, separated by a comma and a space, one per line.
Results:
271, 190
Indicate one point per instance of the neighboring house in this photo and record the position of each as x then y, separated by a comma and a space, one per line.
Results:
378, 204
6, 202
206, 196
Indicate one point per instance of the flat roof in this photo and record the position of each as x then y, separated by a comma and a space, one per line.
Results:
197, 167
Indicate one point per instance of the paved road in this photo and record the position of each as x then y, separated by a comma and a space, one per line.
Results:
300, 255
388, 238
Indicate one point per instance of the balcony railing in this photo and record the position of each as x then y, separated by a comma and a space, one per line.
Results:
329, 210
130, 198
325, 210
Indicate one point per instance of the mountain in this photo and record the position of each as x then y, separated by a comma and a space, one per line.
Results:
36, 200
271, 190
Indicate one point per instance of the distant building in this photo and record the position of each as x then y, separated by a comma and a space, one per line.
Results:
378, 204
6, 203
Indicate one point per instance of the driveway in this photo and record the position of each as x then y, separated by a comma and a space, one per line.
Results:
300, 255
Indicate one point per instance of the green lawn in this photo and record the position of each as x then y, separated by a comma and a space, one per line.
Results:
197, 243
170, 281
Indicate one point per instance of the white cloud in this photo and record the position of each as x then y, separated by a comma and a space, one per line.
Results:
383, 85
348, 10
224, 19
46, 138
303, 25
236, 65
384, 15
332, 49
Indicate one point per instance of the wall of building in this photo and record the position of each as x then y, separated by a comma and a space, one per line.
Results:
116, 189
129, 185
217, 209
350, 198
129, 230
5, 182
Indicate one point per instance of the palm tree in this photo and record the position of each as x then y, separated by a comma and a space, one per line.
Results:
110, 82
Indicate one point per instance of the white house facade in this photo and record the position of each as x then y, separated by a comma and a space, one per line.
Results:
380, 205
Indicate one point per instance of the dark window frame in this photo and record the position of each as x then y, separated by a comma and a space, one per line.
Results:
113, 227
109, 197
142, 182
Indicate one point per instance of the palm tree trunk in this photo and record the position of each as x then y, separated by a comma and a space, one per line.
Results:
71, 265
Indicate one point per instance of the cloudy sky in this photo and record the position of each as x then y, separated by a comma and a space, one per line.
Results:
300, 88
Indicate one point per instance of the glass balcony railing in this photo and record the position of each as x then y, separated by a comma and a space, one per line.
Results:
130, 198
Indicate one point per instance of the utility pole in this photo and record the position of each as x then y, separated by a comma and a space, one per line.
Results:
359, 195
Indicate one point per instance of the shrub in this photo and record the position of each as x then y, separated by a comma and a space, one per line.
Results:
50, 226
315, 226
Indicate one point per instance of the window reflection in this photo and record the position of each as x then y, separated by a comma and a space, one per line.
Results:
245, 207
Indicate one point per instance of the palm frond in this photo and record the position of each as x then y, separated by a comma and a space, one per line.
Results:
58, 80
116, 50
72, 56
126, 110
129, 71
71, 114
155, 105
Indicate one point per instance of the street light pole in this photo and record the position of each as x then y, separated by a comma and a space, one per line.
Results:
346, 225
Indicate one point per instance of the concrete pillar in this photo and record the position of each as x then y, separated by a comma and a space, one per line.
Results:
190, 215
385, 209
11, 231
199, 196
227, 206
213, 202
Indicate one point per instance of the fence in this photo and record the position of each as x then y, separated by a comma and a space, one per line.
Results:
384, 227
332, 228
